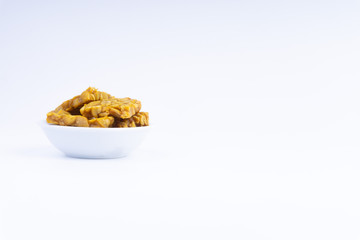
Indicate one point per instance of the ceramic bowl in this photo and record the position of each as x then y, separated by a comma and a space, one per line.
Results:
83, 142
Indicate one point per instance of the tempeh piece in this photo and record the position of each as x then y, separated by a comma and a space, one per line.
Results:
64, 118
90, 94
138, 120
103, 122
116, 107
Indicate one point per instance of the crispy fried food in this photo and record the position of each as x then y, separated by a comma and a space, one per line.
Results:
93, 108
103, 122
141, 119
116, 107
64, 118
91, 94
138, 120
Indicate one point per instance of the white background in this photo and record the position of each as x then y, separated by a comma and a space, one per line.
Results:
254, 107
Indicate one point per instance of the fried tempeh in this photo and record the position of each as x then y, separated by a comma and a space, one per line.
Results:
93, 108
103, 122
116, 107
138, 120
64, 118
89, 95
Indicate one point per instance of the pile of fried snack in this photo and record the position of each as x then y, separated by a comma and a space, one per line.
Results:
93, 108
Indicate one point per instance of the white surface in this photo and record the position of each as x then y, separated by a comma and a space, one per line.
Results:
99, 143
256, 105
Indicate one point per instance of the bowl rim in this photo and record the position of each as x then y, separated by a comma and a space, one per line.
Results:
45, 124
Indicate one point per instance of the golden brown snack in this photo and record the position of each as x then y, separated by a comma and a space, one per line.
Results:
93, 108
103, 122
64, 118
138, 120
91, 94
116, 107
141, 119
125, 123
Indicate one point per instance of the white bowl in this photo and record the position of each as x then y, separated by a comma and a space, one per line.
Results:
83, 142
